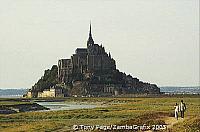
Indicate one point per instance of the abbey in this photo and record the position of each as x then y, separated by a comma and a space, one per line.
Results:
85, 62
91, 71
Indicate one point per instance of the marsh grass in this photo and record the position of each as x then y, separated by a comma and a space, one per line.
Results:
190, 125
118, 111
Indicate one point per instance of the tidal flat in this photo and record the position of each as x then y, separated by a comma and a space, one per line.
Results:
109, 111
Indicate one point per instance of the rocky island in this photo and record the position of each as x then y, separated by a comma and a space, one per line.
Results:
90, 72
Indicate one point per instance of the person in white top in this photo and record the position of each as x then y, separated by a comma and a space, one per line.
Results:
182, 108
176, 111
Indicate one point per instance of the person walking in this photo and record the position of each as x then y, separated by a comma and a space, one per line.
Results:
182, 108
176, 111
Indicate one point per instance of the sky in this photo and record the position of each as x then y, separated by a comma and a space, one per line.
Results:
156, 41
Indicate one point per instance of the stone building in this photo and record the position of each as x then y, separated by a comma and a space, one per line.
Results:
31, 94
51, 92
85, 61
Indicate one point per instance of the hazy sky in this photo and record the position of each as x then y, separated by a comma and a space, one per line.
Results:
156, 41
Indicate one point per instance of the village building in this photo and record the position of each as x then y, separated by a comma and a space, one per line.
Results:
51, 92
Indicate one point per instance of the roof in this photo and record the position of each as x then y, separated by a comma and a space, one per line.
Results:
81, 50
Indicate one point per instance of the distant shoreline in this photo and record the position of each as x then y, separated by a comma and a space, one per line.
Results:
170, 91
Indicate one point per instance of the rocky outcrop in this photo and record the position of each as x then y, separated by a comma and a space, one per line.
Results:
49, 79
91, 71
10, 109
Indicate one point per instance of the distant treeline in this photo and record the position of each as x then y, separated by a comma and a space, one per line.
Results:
12, 92
186, 90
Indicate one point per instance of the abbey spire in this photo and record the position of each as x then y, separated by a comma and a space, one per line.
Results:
90, 33
90, 39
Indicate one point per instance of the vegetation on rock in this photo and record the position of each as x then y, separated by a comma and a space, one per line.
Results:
48, 80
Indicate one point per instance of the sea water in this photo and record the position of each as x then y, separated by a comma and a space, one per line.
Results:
65, 105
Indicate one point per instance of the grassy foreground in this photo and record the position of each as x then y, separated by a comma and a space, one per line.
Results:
119, 111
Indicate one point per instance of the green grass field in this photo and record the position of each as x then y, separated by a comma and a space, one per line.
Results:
117, 111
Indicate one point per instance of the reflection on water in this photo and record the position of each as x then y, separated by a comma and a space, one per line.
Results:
64, 105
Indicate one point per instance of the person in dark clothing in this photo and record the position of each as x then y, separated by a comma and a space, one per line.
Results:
182, 108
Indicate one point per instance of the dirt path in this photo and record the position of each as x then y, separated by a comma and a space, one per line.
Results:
170, 121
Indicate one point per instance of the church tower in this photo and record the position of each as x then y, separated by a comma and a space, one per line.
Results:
90, 39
